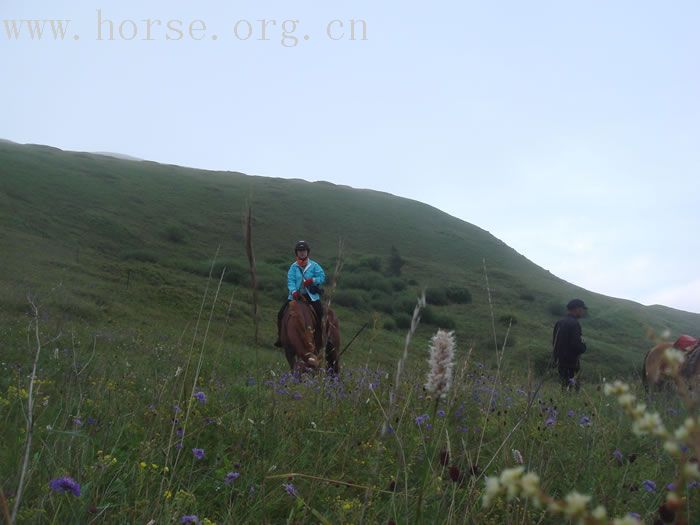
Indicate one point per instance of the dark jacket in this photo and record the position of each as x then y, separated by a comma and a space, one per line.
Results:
567, 341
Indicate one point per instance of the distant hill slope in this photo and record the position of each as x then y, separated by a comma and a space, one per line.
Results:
116, 155
126, 241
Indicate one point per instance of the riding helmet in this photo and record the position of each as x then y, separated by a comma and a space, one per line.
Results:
302, 245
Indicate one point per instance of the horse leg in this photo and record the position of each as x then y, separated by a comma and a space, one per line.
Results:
290, 354
332, 358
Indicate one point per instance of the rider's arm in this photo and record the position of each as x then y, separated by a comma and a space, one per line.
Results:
292, 280
319, 275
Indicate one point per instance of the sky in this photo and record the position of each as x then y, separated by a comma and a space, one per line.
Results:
569, 130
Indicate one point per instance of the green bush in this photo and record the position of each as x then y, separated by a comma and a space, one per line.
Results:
370, 281
174, 233
556, 308
397, 284
459, 295
350, 299
140, 255
403, 321
405, 305
390, 324
436, 296
432, 317
508, 319
236, 272
383, 305
527, 296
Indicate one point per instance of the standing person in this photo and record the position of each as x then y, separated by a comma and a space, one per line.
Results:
567, 343
303, 280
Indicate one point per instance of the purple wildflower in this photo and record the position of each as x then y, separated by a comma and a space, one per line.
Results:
551, 420
649, 485
231, 477
191, 518
198, 453
180, 432
178, 445
441, 413
91, 421
201, 397
571, 413
176, 408
634, 515
694, 485
671, 487
65, 484
291, 489
585, 421
422, 419
77, 422
617, 454
296, 396
250, 381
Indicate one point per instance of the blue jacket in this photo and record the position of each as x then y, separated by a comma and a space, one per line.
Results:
297, 275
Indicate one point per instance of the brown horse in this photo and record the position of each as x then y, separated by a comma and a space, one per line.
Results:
301, 341
653, 370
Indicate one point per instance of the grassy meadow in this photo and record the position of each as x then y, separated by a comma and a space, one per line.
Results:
125, 288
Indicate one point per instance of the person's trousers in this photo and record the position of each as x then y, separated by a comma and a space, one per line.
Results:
567, 375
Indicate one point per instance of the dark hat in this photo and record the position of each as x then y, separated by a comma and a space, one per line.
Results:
576, 303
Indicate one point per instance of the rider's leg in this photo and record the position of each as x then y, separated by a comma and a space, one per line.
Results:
280, 314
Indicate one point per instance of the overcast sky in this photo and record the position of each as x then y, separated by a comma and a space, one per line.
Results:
568, 129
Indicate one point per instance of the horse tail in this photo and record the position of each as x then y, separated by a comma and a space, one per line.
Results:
645, 380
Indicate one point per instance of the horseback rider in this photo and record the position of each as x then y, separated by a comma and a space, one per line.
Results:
303, 280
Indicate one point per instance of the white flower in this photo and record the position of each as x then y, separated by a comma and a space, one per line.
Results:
517, 457
682, 434
674, 357
442, 351
627, 520
600, 513
530, 484
691, 470
626, 400
510, 480
672, 448
575, 504
493, 488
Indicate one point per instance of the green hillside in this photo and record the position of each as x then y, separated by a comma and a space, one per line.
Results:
116, 246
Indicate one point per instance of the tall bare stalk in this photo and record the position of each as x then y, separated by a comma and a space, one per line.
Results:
248, 231
30, 414
415, 320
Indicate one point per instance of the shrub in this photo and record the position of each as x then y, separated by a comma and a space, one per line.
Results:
459, 295
370, 281
374, 263
397, 284
436, 296
236, 272
390, 324
444, 321
383, 305
349, 298
405, 305
140, 255
508, 319
403, 321
174, 233
556, 308
527, 296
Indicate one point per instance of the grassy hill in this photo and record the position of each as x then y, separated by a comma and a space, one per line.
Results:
114, 246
